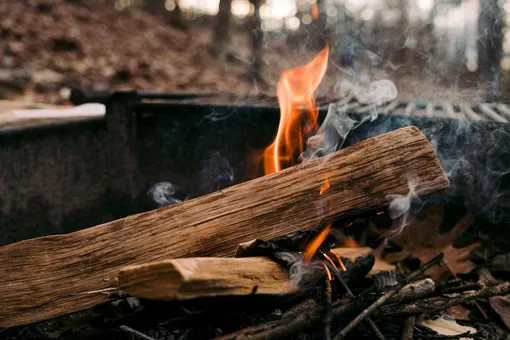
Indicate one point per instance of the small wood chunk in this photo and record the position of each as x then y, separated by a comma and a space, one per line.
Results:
197, 277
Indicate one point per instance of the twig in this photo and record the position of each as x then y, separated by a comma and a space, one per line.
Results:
383, 299
307, 315
369, 320
485, 316
437, 304
463, 288
408, 329
328, 314
135, 332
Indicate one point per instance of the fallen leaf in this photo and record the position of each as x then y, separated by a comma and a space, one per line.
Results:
422, 239
448, 327
501, 305
459, 312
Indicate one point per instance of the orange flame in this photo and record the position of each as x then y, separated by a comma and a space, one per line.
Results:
312, 247
349, 242
340, 262
325, 187
315, 12
295, 92
328, 273
330, 261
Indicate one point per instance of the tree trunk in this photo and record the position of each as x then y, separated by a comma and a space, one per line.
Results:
490, 46
222, 40
257, 38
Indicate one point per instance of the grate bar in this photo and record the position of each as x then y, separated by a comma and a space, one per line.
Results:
462, 111
504, 110
450, 112
487, 110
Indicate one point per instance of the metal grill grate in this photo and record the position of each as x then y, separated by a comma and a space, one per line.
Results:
496, 112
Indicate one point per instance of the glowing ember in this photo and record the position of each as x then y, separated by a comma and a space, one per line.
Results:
340, 262
295, 91
349, 242
330, 261
328, 273
379, 213
325, 186
312, 247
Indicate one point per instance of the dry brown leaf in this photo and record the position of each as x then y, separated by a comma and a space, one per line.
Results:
421, 239
458, 312
501, 305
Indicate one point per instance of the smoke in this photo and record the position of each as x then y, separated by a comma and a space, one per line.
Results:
475, 155
339, 122
215, 174
302, 273
161, 194
400, 206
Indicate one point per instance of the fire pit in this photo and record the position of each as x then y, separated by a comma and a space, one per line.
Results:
387, 188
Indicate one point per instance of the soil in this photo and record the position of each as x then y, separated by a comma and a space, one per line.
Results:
50, 46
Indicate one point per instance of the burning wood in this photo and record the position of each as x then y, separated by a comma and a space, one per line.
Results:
189, 278
68, 273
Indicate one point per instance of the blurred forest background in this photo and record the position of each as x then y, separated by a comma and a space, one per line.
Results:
456, 50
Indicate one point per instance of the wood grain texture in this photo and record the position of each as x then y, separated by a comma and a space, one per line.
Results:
55, 275
195, 277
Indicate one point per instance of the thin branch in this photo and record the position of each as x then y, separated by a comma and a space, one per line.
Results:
135, 332
408, 329
444, 302
383, 299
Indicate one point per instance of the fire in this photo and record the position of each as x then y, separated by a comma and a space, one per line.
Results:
315, 12
312, 247
295, 91
325, 186
349, 242
340, 262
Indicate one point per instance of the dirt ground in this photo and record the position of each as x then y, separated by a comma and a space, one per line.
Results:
50, 46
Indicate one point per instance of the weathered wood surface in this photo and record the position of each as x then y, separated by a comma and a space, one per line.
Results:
195, 277
54, 275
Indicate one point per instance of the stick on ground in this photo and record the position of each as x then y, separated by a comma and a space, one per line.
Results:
436, 304
383, 299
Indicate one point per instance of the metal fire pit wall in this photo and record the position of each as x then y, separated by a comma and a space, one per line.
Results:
60, 178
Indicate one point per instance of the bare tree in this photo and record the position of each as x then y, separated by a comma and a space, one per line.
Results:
490, 46
158, 9
257, 37
222, 41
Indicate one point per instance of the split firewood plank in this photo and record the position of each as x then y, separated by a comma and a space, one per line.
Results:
195, 277
55, 275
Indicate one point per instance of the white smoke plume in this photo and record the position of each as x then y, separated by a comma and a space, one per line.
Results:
339, 123
400, 206
161, 194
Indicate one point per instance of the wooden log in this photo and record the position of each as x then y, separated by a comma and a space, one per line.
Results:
195, 277
54, 275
